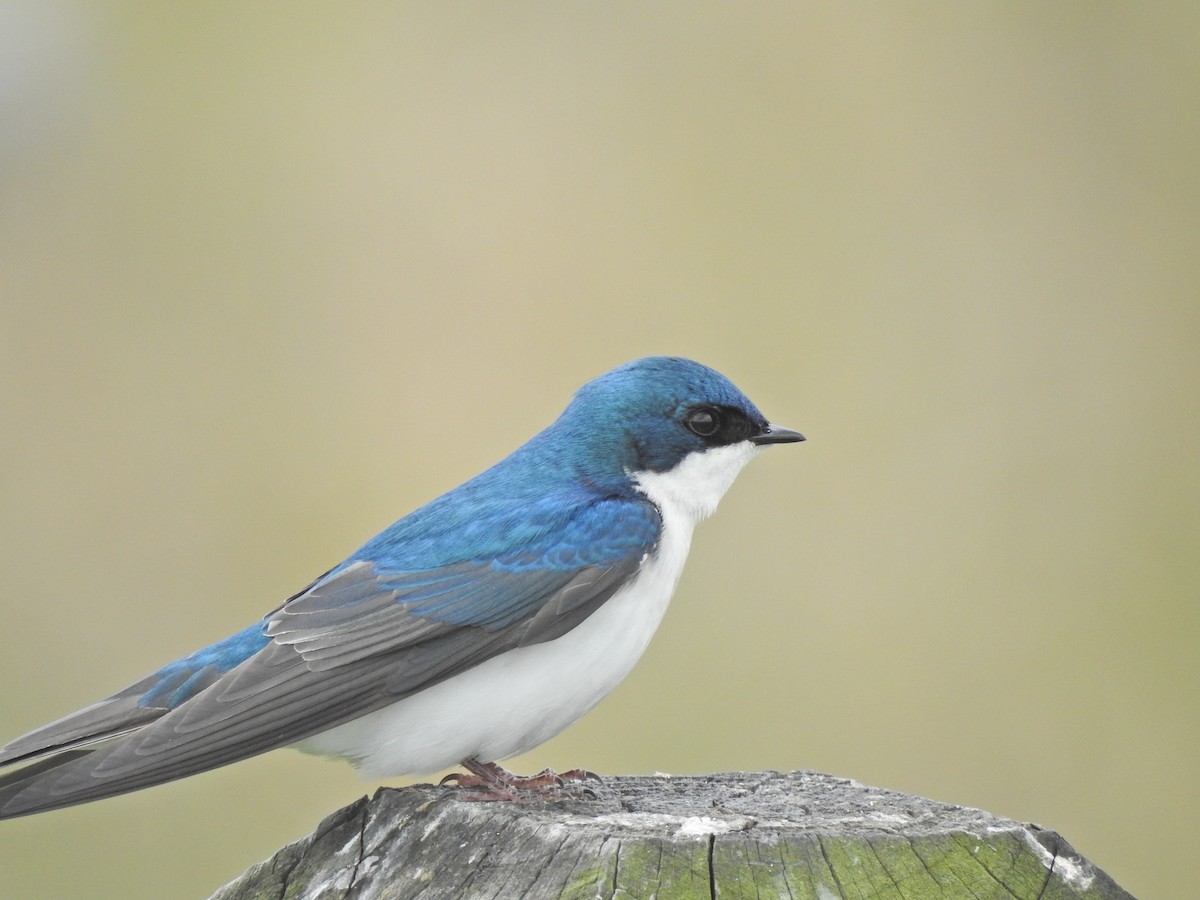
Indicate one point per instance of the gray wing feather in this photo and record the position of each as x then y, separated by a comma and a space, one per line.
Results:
344, 648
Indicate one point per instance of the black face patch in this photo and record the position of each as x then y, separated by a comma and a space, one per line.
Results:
719, 425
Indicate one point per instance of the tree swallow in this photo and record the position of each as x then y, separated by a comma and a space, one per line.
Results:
471, 630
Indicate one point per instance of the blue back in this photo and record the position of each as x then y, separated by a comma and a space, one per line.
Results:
623, 422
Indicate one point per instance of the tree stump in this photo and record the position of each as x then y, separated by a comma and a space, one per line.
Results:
731, 835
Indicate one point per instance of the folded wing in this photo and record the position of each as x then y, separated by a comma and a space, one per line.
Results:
360, 638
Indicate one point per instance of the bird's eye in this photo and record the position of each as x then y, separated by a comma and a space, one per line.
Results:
703, 421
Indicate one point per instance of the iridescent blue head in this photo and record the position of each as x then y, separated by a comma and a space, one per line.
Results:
651, 414
662, 427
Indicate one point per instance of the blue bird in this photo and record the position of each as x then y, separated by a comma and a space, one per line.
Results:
471, 630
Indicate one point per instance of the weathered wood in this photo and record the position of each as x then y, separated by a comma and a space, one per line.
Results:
761, 835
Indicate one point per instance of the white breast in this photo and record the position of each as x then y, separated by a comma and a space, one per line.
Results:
517, 700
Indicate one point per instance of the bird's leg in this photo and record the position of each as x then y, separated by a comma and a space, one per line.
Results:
489, 781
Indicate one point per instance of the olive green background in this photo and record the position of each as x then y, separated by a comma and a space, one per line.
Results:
273, 274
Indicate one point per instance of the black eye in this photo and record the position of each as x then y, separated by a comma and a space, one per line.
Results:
703, 421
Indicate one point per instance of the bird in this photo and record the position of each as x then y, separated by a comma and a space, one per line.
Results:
469, 631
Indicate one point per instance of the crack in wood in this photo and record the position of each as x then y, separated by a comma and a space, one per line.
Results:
362, 851
616, 871
832, 871
1049, 872
966, 842
290, 862
712, 871
883, 866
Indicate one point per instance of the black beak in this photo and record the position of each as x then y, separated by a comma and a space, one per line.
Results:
776, 435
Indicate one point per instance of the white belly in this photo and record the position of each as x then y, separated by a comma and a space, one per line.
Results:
517, 700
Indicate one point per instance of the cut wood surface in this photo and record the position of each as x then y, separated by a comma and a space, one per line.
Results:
731, 835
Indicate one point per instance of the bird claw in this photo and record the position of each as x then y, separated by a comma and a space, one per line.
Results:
579, 775
489, 781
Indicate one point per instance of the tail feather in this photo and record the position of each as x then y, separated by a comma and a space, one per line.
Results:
268, 702
70, 745
110, 718
13, 784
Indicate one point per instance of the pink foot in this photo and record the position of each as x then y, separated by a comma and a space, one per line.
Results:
489, 781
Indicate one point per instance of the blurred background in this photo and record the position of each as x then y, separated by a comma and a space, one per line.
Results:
274, 274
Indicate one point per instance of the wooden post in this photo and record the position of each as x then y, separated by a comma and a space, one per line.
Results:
732, 835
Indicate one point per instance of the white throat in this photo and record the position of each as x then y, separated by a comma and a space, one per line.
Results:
692, 490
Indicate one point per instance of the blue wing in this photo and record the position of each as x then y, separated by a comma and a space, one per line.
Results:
366, 634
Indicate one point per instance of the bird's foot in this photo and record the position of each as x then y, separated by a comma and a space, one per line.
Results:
489, 781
